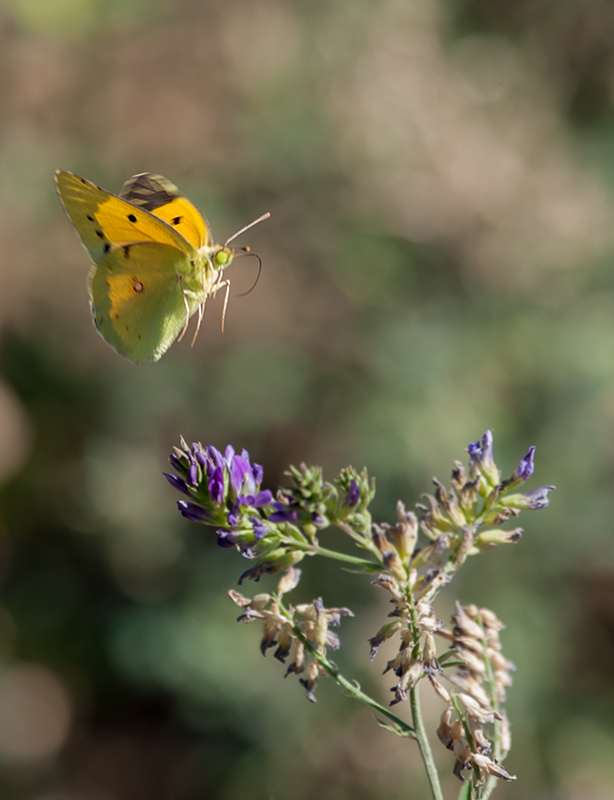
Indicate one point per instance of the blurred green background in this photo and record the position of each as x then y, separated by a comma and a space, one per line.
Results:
440, 175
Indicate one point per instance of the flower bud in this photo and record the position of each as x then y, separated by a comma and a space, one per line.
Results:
440, 690
384, 633
310, 682
288, 581
481, 460
492, 537
536, 499
444, 731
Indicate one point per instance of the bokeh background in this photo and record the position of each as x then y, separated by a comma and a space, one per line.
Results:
439, 260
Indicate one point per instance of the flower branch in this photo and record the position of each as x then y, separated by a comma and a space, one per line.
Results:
275, 532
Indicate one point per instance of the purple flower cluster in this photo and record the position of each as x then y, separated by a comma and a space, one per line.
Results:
224, 490
482, 463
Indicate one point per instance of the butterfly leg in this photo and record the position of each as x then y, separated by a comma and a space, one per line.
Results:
227, 282
201, 314
187, 318
201, 309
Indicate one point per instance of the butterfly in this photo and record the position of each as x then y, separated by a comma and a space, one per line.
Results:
155, 262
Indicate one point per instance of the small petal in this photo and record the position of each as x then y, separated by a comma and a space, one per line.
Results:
481, 456
258, 474
216, 486
194, 512
525, 468
241, 478
224, 538
260, 527
177, 483
193, 478
536, 499
215, 456
176, 462
283, 513
353, 494
263, 498
235, 516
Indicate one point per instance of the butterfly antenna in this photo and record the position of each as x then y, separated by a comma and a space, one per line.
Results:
247, 227
247, 252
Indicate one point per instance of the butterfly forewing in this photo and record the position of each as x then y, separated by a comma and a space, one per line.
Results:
162, 198
103, 220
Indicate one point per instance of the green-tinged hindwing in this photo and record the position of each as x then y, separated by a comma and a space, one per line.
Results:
137, 296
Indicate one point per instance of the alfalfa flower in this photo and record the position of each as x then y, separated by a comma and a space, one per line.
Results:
225, 492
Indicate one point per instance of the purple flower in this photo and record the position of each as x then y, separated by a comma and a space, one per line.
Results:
263, 498
225, 538
215, 457
283, 513
216, 485
525, 468
481, 459
175, 461
536, 499
227, 485
241, 478
177, 483
193, 474
260, 527
200, 456
193, 512
481, 451
234, 516
258, 473
353, 494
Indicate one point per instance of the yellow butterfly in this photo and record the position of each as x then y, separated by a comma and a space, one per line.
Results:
155, 263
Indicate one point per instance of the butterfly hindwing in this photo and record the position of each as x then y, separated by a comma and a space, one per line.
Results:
137, 296
162, 198
103, 220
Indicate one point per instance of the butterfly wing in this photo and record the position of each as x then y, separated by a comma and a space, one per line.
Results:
103, 220
138, 295
162, 198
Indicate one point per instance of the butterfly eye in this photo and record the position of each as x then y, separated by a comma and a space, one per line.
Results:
221, 258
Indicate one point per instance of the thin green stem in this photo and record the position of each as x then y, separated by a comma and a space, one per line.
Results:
423, 744
316, 550
351, 688
416, 711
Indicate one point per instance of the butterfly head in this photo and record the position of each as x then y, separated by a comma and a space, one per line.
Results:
222, 256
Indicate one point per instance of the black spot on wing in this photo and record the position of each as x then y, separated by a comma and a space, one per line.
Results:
176, 220
100, 234
131, 217
106, 248
126, 249
91, 219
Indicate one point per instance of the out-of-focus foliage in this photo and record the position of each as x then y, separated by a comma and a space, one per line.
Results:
439, 260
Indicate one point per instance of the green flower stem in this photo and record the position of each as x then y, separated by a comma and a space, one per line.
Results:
423, 744
402, 728
416, 710
316, 550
